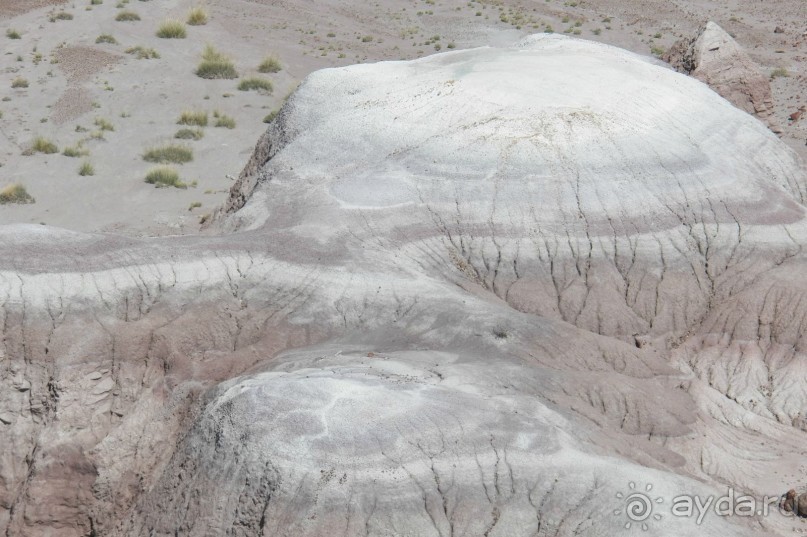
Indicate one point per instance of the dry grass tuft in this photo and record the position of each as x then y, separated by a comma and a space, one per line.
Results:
197, 16
169, 154
270, 64
143, 53
163, 177
216, 65
86, 168
106, 38
223, 120
43, 145
127, 16
193, 118
189, 134
255, 84
15, 193
172, 29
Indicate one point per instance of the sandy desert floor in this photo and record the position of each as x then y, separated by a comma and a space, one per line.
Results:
112, 106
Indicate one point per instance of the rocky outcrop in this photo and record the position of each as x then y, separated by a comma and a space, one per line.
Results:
482, 293
715, 58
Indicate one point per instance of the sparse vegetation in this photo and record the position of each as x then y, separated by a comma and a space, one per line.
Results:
216, 65
656, 51
15, 193
43, 145
163, 177
270, 117
86, 168
143, 53
193, 118
197, 16
223, 120
19, 82
75, 151
11, 33
270, 64
172, 29
61, 16
169, 154
106, 38
96, 2
127, 16
779, 72
255, 83
103, 124
189, 134
500, 333
195, 205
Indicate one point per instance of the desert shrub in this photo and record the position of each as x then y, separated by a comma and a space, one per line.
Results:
86, 168
197, 16
75, 151
15, 193
270, 117
61, 16
189, 134
163, 177
195, 205
19, 82
223, 120
171, 29
96, 2
43, 145
255, 83
11, 33
215, 65
169, 154
103, 124
143, 53
106, 38
193, 118
270, 64
779, 72
127, 16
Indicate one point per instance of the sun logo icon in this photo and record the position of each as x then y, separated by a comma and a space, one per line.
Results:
638, 506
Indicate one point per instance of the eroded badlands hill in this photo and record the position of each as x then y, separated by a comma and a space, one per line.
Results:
475, 294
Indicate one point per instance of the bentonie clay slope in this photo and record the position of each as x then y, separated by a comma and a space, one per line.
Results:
489, 292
